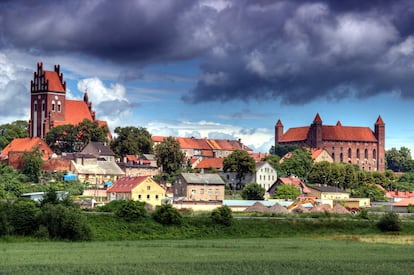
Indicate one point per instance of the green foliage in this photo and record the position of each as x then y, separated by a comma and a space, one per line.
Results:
287, 191
11, 182
169, 156
50, 197
389, 222
112, 206
253, 191
399, 160
23, 217
299, 164
69, 138
368, 191
166, 214
410, 208
281, 150
10, 131
5, 212
241, 162
273, 160
32, 164
131, 210
222, 215
65, 223
363, 214
131, 141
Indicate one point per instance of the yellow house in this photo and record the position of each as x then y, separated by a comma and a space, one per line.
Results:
327, 193
142, 188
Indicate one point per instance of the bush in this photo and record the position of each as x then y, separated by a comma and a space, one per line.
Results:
167, 215
131, 210
23, 217
389, 222
5, 226
222, 215
64, 223
112, 206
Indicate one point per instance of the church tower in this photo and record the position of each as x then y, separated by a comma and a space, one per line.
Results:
47, 103
278, 131
380, 135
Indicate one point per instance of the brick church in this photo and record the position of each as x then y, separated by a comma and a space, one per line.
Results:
50, 108
346, 144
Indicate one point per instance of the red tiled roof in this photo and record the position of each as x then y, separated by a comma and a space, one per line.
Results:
296, 182
157, 138
399, 194
54, 81
338, 132
27, 144
126, 184
207, 153
379, 120
405, 202
211, 163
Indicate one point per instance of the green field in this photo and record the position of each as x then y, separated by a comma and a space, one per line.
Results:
221, 256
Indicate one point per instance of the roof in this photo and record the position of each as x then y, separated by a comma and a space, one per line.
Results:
98, 167
207, 163
296, 182
197, 178
126, 184
405, 202
328, 189
27, 144
97, 149
76, 111
54, 81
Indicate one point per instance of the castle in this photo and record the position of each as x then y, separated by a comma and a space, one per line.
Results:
346, 144
50, 108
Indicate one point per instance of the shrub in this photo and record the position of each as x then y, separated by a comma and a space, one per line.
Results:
64, 223
389, 222
131, 210
5, 226
23, 217
363, 214
112, 206
410, 208
222, 215
167, 215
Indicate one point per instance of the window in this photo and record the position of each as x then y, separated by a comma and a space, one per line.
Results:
193, 191
349, 153
59, 107
357, 153
374, 154
156, 197
366, 153
35, 106
43, 106
148, 197
139, 197
210, 191
53, 106
148, 187
217, 191
201, 191
341, 157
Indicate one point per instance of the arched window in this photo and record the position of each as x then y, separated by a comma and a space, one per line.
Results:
333, 155
366, 153
43, 106
35, 106
59, 107
349, 153
357, 153
53, 105
341, 157
374, 154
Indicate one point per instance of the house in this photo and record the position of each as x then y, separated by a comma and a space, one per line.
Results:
141, 188
402, 205
199, 187
320, 154
265, 175
50, 108
12, 154
99, 150
328, 193
206, 165
143, 165
304, 190
345, 144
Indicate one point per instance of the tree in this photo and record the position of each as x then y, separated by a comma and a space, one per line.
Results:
10, 131
253, 191
273, 160
369, 191
240, 162
222, 215
32, 164
11, 182
399, 160
131, 141
169, 156
132, 210
281, 150
166, 214
287, 191
299, 164
90, 131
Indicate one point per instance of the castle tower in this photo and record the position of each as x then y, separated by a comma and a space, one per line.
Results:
315, 132
278, 131
47, 103
380, 135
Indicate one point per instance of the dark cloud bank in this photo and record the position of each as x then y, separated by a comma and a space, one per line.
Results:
296, 51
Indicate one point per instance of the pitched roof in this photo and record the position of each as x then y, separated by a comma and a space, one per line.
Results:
97, 149
296, 182
207, 163
54, 81
328, 189
405, 202
99, 167
27, 144
126, 184
197, 178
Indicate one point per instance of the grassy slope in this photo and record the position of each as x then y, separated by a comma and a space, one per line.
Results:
221, 256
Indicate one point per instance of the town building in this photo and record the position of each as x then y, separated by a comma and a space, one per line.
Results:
199, 187
49, 106
345, 144
142, 188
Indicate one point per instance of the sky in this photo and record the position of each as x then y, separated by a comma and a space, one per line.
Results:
221, 69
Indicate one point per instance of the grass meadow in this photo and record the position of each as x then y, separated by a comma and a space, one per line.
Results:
284, 255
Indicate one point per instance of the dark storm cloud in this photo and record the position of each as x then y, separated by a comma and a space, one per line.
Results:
295, 51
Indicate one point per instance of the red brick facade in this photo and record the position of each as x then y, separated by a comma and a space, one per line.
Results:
346, 144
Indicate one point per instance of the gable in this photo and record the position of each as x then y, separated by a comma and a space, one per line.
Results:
54, 82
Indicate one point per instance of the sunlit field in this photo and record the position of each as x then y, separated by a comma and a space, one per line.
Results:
224, 256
